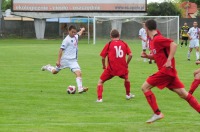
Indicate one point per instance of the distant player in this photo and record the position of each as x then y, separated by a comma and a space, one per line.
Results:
184, 35
196, 81
163, 50
67, 57
115, 51
143, 37
193, 35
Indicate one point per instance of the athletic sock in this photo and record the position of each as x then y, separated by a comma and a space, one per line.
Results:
152, 102
194, 85
193, 102
50, 68
181, 44
188, 55
197, 55
79, 83
99, 91
127, 87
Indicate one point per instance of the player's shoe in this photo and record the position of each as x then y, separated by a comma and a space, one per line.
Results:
45, 67
130, 96
99, 100
84, 89
155, 117
188, 59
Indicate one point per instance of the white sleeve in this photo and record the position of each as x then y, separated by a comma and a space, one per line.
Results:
64, 44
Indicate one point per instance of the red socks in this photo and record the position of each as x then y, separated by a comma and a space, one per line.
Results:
152, 101
193, 102
127, 87
194, 85
99, 91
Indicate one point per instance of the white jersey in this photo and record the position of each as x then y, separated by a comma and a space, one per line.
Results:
70, 47
194, 33
142, 33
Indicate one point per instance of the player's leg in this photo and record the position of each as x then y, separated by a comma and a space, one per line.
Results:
127, 86
182, 41
196, 81
50, 68
151, 99
103, 78
189, 52
188, 97
144, 48
75, 68
197, 50
79, 82
100, 91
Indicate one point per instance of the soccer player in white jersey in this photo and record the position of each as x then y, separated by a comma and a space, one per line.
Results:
143, 37
67, 57
193, 35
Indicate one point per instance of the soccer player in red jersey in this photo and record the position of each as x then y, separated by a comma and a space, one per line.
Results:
163, 50
115, 51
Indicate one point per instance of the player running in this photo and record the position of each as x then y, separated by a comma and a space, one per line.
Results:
143, 37
184, 35
115, 51
193, 35
67, 57
163, 50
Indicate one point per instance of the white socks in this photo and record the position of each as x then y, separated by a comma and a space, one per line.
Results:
188, 54
79, 83
197, 55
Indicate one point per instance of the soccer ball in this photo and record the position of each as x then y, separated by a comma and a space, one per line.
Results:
71, 89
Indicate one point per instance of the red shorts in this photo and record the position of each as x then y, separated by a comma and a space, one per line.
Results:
106, 75
162, 80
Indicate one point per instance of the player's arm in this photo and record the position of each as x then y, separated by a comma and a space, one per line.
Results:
81, 31
148, 56
173, 47
189, 35
103, 62
129, 58
59, 57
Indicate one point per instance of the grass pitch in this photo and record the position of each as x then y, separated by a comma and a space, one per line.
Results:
36, 101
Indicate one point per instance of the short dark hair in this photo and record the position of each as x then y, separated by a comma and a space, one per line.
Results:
114, 33
151, 24
72, 27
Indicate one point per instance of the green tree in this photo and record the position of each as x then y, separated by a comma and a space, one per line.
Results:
162, 9
6, 4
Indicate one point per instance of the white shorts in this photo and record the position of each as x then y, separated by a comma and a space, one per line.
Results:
71, 64
194, 43
144, 45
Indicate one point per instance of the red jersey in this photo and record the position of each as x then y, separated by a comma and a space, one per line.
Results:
160, 50
116, 51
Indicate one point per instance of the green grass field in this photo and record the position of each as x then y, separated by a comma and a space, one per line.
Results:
36, 101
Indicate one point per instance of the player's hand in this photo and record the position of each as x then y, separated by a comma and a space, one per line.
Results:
104, 67
82, 29
58, 64
144, 55
168, 64
190, 38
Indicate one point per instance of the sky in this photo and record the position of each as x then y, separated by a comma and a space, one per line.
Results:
149, 1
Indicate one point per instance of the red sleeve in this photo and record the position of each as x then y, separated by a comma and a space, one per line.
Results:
104, 52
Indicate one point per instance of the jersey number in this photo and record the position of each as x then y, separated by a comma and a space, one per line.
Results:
119, 52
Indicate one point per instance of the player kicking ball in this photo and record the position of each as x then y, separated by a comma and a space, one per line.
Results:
67, 57
115, 51
163, 50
